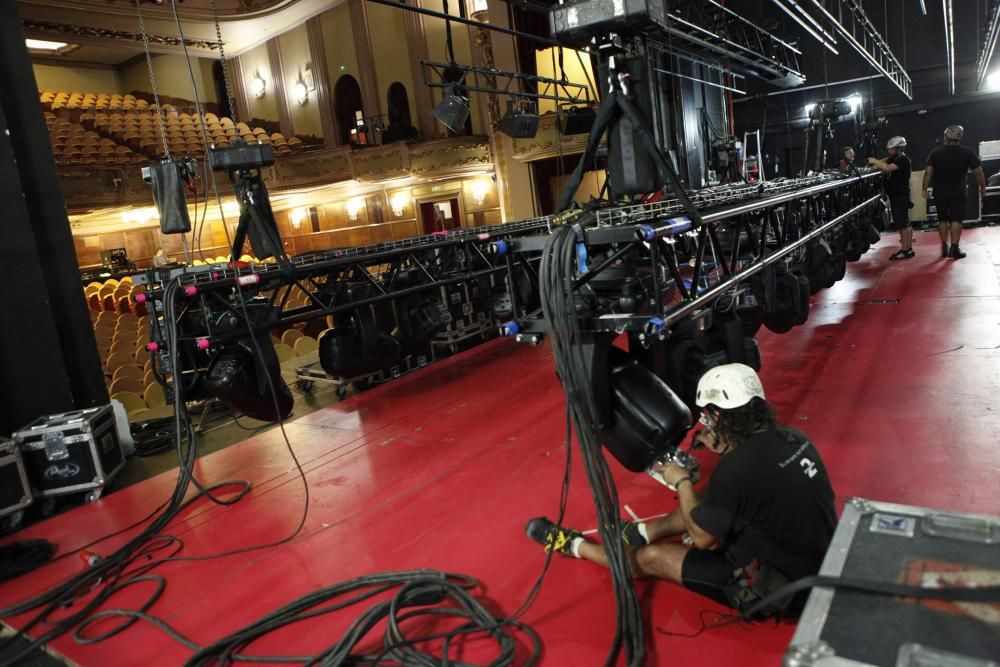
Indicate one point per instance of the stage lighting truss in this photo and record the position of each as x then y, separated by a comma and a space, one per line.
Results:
677, 271
214, 317
717, 33
487, 80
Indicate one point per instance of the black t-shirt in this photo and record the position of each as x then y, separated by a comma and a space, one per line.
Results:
898, 182
951, 163
771, 499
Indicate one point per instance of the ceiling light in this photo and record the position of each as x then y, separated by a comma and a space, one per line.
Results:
42, 45
453, 110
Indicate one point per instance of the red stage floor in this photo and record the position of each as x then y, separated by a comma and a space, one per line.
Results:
441, 469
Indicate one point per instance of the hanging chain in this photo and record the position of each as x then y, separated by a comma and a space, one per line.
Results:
225, 70
152, 81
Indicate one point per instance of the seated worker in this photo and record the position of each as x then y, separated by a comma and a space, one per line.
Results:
769, 500
847, 161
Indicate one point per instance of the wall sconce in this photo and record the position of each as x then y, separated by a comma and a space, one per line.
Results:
258, 86
354, 207
139, 215
301, 93
296, 217
479, 191
478, 10
398, 203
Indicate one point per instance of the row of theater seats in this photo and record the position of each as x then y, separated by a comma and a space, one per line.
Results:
141, 130
73, 145
114, 296
66, 100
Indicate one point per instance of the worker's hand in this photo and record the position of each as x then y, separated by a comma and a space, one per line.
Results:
704, 438
927, 194
672, 472
873, 160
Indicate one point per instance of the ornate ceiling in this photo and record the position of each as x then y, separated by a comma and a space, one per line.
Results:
110, 23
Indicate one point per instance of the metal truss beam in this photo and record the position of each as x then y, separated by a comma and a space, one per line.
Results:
989, 45
692, 267
849, 20
733, 40
444, 75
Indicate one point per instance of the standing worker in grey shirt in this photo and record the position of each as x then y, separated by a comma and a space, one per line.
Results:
946, 169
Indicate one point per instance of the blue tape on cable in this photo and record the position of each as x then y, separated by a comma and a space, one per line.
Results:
501, 247
581, 258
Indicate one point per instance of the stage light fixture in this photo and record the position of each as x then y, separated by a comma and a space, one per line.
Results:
519, 122
993, 81
576, 120
453, 109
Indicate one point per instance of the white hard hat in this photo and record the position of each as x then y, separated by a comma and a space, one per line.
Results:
728, 386
896, 142
954, 132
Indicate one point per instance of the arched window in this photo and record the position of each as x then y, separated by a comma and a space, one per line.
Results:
346, 103
398, 103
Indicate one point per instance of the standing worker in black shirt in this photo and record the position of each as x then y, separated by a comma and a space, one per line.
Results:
946, 169
767, 513
897, 187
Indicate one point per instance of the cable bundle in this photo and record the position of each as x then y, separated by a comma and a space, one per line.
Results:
556, 278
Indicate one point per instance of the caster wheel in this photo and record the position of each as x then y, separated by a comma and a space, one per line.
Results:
341, 391
306, 385
48, 506
92, 496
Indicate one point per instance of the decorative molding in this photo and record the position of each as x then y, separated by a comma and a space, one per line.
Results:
278, 85
60, 61
310, 169
86, 189
49, 27
454, 156
548, 142
366, 58
383, 162
321, 78
228, 10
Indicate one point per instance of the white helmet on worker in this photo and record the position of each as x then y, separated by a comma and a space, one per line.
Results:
896, 142
954, 132
728, 386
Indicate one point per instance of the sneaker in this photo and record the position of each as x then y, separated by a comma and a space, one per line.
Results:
956, 252
551, 536
899, 254
944, 250
631, 535
910, 253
